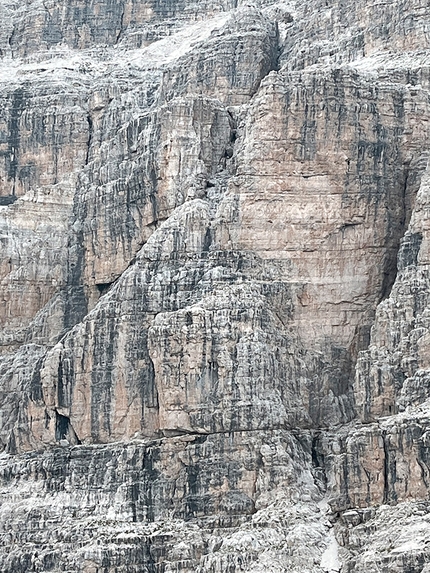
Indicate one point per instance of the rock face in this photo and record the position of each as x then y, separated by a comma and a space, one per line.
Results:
214, 344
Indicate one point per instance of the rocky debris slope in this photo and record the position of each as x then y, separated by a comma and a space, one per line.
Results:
214, 340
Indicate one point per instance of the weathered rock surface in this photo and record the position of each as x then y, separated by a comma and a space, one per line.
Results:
393, 373
214, 275
139, 497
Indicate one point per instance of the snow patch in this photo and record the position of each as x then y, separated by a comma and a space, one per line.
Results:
177, 45
416, 545
61, 62
330, 558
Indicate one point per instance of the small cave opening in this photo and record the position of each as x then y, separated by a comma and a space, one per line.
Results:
389, 275
64, 430
103, 288
7, 200
62, 425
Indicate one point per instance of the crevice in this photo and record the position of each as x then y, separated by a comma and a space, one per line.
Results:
36, 392
61, 398
386, 497
150, 394
90, 137
14, 137
177, 433
277, 52
318, 462
386, 483
121, 24
421, 459
391, 266
11, 39
11, 448
294, 431
47, 9
274, 56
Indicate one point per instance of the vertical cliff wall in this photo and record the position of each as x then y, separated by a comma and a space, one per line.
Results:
213, 343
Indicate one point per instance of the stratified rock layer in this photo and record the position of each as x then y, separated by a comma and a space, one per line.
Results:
214, 338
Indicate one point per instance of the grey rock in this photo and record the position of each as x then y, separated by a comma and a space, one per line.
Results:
214, 284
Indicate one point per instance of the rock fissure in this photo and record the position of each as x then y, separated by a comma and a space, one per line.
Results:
90, 138
121, 24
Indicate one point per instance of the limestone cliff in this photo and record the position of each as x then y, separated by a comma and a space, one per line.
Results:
214, 344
